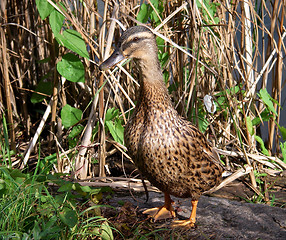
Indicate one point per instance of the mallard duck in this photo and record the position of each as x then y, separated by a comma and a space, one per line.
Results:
167, 149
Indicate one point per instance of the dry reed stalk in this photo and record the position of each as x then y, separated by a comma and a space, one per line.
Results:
101, 129
8, 90
276, 85
208, 52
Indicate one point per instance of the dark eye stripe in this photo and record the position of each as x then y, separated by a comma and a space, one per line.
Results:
129, 43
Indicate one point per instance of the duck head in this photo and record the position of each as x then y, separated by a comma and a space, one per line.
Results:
136, 42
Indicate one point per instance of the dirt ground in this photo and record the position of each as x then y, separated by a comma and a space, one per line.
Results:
217, 218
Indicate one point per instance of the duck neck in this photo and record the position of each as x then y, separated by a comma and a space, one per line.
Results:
153, 91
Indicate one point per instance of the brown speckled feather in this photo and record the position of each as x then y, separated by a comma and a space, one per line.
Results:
168, 150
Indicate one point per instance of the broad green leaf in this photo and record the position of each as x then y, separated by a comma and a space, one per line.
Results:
71, 68
155, 17
114, 125
44, 87
85, 188
249, 126
68, 217
44, 8
111, 127
263, 148
111, 113
56, 21
143, 14
120, 131
267, 99
66, 187
74, 41
70, 116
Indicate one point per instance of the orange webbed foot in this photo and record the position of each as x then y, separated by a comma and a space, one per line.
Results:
189, 223
164, 212
183, 223
160, 213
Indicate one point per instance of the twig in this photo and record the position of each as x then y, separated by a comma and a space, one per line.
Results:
239, 173
34, 140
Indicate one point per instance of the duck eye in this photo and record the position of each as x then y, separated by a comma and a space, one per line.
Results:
135, 39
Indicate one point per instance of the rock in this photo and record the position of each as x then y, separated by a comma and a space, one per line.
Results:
218, 218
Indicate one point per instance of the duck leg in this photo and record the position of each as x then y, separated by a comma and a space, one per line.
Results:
189, 222
164, 212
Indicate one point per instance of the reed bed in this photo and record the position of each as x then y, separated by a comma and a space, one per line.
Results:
226, 50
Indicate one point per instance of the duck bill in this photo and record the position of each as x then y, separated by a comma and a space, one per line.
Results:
115, 58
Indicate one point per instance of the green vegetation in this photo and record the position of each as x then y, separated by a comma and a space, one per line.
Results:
44, 206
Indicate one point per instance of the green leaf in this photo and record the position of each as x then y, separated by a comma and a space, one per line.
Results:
44, 87
114, 125
160, 44
267, 99
202, 120
76, 130
283, 150
283, 131
66, 187
36, 231
263, 148
71, 68
113, 131
155, 18
85, 188
105, 231
74, 42
44, 8
265, 116
70, 116
45, 60
111, 113
69, 217
74, 135
143, 14
249, 126
2, 184
56, 21
119, 131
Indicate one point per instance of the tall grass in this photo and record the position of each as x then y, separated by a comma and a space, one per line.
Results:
229, 50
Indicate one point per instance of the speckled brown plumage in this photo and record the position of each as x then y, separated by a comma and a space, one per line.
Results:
167, 149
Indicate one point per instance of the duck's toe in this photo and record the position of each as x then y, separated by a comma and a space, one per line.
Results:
160, 213
183, 223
